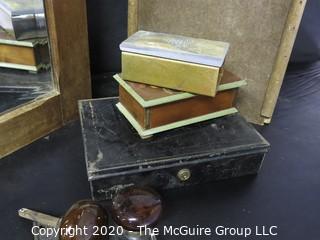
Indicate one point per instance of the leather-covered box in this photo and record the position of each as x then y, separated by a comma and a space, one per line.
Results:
117, 157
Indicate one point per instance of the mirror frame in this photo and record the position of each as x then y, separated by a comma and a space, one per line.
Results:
68, 37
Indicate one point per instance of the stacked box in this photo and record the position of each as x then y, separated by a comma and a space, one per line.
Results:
116, 156
175, 62
152, 109
170, 81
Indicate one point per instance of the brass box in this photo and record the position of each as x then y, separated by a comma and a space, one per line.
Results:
172, 74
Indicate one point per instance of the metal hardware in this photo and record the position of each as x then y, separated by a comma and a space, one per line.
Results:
184, 174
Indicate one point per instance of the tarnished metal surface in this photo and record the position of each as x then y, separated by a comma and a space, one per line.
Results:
116, 156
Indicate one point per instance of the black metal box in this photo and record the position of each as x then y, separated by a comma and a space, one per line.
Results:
117, 157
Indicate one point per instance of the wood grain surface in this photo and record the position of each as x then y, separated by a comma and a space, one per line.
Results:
163, 114
190, 108
137, 111
18, 55
67, 24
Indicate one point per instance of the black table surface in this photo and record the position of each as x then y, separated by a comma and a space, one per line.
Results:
50, 175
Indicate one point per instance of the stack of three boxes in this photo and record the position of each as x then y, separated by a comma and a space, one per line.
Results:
170, 81
191, 87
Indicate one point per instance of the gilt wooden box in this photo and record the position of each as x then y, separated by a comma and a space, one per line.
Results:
151, 109
117, 157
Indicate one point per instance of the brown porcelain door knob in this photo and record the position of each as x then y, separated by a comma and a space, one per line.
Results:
133, 207
84, 214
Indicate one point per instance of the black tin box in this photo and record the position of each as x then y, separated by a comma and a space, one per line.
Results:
117, 157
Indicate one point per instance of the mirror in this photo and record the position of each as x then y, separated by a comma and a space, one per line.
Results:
25, 66
43, 96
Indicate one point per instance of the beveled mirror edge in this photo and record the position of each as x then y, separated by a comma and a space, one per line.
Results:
71, 76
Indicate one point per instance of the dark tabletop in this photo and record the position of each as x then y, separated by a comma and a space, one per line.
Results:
50, 175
